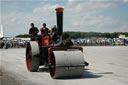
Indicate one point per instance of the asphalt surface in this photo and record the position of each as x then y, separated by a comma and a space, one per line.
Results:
108, 66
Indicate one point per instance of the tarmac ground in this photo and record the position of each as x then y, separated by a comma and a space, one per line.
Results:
108, 65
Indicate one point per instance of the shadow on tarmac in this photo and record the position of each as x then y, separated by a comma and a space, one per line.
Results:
105, 73
86, 75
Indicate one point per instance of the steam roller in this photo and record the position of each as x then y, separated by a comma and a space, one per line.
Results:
62, 59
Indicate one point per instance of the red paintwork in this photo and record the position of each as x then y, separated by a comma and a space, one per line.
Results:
29, 63
59, 9
45, 40
29, 60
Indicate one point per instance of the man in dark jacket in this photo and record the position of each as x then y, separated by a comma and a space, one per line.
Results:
33, 31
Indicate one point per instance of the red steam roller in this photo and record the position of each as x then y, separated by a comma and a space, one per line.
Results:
62, 60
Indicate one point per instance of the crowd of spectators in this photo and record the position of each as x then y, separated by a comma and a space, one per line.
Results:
13, 44
77, 42
98, 42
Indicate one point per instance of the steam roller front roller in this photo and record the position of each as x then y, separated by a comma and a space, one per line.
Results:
66, 64
32, 56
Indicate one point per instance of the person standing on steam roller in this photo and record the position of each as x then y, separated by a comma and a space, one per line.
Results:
44, 30
33, 31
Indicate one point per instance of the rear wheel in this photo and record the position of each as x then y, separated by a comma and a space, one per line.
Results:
29, 60
32, 56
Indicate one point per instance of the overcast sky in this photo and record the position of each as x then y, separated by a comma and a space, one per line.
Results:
79, 15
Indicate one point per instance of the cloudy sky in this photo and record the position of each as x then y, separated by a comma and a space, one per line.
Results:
79, 15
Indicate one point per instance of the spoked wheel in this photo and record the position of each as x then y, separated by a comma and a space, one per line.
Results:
32, 56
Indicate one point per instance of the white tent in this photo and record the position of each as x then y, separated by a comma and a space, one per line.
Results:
1, 31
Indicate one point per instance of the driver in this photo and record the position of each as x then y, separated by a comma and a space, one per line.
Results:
33, 31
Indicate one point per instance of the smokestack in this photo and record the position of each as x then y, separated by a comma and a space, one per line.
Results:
59, 14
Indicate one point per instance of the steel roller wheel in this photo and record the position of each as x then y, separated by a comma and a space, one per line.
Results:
32, 56
66, 64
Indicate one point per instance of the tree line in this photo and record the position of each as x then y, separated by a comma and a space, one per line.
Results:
76, 35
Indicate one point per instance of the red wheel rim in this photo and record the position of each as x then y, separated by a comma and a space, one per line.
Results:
29, 59
53, 70
53, 66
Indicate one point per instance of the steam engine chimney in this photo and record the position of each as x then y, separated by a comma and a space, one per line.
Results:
59, 14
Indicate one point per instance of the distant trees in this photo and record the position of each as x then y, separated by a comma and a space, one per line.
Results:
23, 36
76, 35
